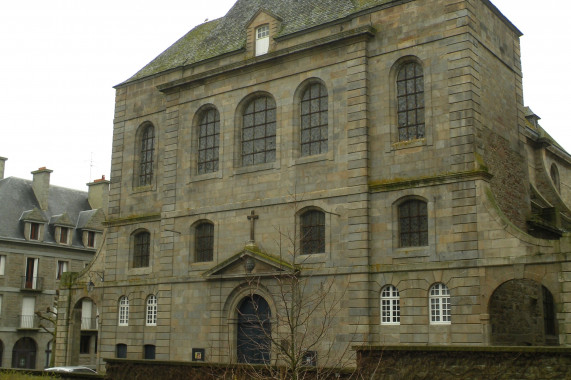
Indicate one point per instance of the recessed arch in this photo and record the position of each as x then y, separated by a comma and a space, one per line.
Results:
24, 353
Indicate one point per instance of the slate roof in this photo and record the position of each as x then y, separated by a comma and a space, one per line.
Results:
228, 34
18, 203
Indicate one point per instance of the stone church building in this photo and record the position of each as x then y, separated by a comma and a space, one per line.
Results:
379, 149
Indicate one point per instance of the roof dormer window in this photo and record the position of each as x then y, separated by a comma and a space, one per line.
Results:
262, 39
34, 231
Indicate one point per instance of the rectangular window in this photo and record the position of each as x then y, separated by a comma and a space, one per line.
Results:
262, 39
63, 235
1, 304
84, 343
34, 231
2, 264
149, 351
91, 239
31, 279
61, 268
27, 316
121, 350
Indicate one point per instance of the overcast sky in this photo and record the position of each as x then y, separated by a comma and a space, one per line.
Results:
59, 60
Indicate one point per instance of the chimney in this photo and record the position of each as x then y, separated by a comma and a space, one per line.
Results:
41, 186
98, 193
2, 164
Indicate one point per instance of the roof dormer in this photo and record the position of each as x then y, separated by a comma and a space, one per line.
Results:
34, 224
261, 31
63, 228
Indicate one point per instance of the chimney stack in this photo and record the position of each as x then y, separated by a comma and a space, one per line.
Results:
2, 164
98, 194
41, 186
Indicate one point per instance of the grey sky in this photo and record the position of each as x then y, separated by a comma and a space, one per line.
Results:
60, 59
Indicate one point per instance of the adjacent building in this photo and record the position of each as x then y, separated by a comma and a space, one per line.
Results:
381, 148
45, 231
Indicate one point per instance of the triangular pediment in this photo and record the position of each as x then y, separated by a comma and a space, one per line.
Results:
62, 220
249, 262
262, 14
35, 215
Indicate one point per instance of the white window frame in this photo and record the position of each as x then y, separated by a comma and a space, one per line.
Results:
151, 311
262, 39
27, 317
439, 304
123, 317
2, 265
390, 306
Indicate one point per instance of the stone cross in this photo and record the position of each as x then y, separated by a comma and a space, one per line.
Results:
252, 217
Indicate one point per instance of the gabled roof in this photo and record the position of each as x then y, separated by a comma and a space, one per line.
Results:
91, 220
18, 204
262, 264
228, 34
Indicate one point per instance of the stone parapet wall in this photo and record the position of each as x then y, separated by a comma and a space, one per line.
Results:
443, 363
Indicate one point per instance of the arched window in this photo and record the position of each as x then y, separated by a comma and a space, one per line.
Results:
208, 141
141, 249
146, 155
410, 102
314, 120
413, 223
204, 242
390, 306
123, 311
149, 351
555, 177
151, 312
440, 311
259, 131
24, 353
254, 330
312, 232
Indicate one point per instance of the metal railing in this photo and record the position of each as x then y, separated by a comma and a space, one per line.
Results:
32, 283
28, 321
89, 323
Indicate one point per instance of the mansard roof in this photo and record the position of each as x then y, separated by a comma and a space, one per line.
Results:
228, 34
19, 204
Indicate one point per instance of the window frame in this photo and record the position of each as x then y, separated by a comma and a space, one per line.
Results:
151, 309
63, 237
145, 153
2, 265
421, 219
142, 242
262, 39
123, 312
211, 140
390, 310
307, 235
149, 350
203, 254
90, 239
403, 83
306, 115
34, 231
439, 304
121, 351
62, 267
250, 139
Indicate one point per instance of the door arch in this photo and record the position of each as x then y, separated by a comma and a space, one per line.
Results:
24, 354
254, 330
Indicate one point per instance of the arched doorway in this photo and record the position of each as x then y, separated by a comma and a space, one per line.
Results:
24, 354
254, 329
522, 313
84, 327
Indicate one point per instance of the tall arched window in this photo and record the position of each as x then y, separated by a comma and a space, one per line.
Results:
410, 102
204, 242
555, 177
413, 223
314, 120
151, 312
259, 131
440, 311
312, 232
141, 249
208, 141
390, 306
123, 318
146, 155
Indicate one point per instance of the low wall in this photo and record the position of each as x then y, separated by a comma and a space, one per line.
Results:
466, 363
380, 363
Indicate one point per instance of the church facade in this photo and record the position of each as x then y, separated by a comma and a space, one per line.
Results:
379, 149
